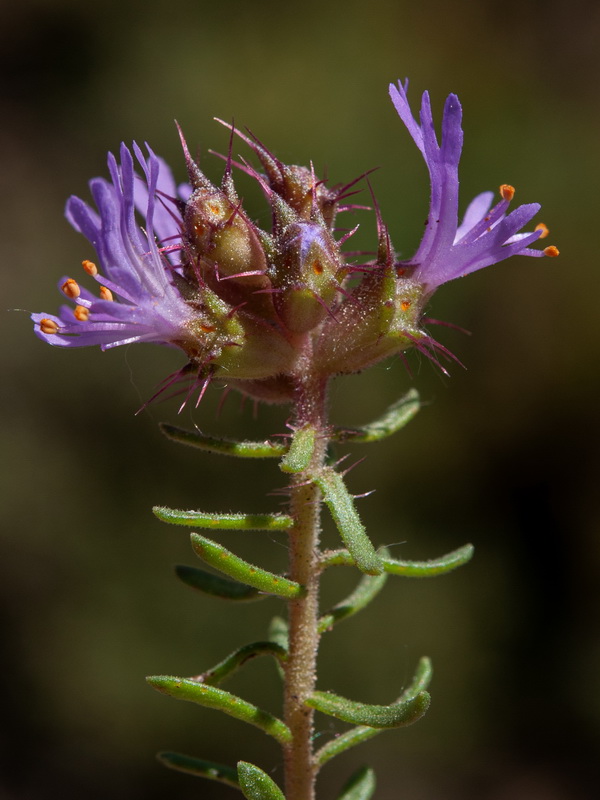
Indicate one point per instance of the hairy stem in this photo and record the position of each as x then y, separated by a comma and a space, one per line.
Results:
300, 668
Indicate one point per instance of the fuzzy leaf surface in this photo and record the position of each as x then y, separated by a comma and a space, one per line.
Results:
217, 556
301, 450
393, 419
341, 505
256, 784
238, 658
211, 697
225, 447
396, 715
224, 522
367, 589
410, 569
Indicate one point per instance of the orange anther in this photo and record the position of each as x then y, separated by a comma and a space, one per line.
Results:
105, 294
317, 267
405, 305
551, 251
48, 326
543, 228
71, 289
507, 191
207, 328
81, 313
90, 267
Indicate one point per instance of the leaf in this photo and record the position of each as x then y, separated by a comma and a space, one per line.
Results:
217, 586
360, 786
367, 589
279, 634
302, 447
225, 561
362, 733
410, 569
256, 784
396, 417
396, 715
200, 767
211, 697
230, 522
238, 658
353, 533
225, 447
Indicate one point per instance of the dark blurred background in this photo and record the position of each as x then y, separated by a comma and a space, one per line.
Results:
505, 454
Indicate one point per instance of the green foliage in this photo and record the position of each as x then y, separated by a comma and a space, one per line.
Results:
353, 533
211, 697
301, 450
217, 586
408, 569
224, 522
396, 715
396, 417
367, 589
217, 556
360, 786
256, 784
200, 767
224, 447
238, 658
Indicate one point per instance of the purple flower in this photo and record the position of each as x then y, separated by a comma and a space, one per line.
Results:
486, 235
138, 299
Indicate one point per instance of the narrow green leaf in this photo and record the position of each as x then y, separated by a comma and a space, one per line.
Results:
360, 786
223, 522
211, 697
367, 589
200, 767
396, 417
410, 569
225, 447
279, 634
256, 784
215, 585
341, 505
238, 658
362, 733
393, 716
301, 450
217, 556
429, 569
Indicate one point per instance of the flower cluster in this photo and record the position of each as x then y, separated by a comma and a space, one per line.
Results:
186, 266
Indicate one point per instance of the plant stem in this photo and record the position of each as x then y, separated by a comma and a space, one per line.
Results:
300, 670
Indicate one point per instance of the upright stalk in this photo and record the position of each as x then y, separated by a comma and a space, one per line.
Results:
300, 671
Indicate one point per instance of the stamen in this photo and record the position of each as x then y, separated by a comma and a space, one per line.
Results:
551, 251
105, 294
81, 313
208, 328
48, 326
507, 191
405, 305
317, 267
90, 268
543, 228
71, 289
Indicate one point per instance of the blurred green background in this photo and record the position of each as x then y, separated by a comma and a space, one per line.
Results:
505, 454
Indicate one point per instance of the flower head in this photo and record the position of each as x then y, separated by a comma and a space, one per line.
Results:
486, 235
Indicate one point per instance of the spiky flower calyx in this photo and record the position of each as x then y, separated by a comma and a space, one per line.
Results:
186, 266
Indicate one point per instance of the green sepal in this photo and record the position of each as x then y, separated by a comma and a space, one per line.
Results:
256, 784
362, 733
200, 767
396, 715
279, 635
367, 589
302, 447
211, 697
353, 533
225, 447
222, 522
360, 786
217, 556
410, 569
216, 586
395, 417
238, 658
